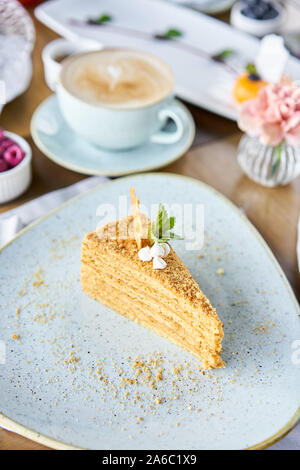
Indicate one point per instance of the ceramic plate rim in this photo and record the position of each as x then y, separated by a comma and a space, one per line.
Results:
29, 433
84, 171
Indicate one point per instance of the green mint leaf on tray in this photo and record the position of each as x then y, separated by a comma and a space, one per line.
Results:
251, 68
105, 18
223, 55
160, 230
171, 33
102, 19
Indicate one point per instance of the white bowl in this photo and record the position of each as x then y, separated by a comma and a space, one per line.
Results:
14, 182
256, 27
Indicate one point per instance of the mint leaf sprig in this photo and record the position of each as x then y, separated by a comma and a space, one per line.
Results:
251, 68
160, 229
171, 33
102, 19
105, 18
223, 55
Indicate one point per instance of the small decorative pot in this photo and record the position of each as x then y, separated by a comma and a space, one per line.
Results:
267, 165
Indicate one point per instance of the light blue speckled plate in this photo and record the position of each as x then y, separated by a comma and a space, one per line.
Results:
71, 377
57, 140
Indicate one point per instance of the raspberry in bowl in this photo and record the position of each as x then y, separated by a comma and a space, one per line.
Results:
15, 166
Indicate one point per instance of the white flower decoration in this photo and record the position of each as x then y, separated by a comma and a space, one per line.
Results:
157, 252
166, 248
145, 254
159, 263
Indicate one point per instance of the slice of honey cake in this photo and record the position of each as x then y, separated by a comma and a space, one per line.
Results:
128, 266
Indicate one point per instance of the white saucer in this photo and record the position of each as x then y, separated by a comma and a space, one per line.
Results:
58, 142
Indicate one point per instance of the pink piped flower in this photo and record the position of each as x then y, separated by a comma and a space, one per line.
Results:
273, 116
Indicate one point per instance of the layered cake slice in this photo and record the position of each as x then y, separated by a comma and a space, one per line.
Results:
128, 266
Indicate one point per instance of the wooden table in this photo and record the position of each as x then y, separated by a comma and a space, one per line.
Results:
211, 159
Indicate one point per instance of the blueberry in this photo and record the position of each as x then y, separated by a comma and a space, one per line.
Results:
260, 10
254, 77
251, 3
249, 13
270, 14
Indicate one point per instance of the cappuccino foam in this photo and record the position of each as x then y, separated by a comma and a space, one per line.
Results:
117, 78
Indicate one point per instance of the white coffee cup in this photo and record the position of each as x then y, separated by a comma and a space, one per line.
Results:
59, 48
122, 126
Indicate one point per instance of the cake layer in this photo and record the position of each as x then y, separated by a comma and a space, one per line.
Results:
128, 306
153, 299
175, 278
174, 281
153, 309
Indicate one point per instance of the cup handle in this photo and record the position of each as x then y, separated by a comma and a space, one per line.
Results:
63, 46
173, 112
51, 68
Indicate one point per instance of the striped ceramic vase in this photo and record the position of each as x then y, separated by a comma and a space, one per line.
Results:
267, 165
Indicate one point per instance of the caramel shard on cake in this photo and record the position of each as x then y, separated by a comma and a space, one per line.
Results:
165, 300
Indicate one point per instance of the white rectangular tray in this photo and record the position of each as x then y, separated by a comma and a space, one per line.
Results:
198, 80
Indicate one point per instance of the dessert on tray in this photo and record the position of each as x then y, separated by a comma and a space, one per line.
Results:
129, 266
268, 67
248, 85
